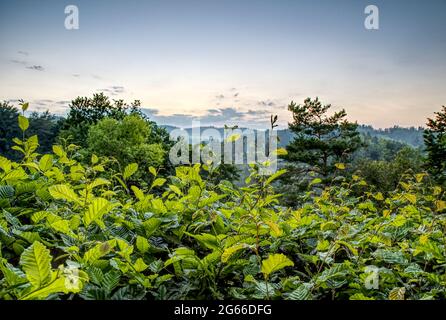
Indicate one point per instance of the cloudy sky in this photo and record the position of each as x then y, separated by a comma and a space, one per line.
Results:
229, 61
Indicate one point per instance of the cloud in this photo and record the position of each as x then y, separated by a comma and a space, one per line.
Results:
257, 112
221, 115
22, 62
36, 67
177, 119
76, 75
236, 94
212, 117
43, 101
19, 60
220, 96
112, 90
266, 103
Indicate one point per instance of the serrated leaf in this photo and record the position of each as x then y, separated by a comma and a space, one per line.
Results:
397, 293
63, 192
130, 170
96, 210
36, 262
228, 252
142, 244
46, 162
275, 262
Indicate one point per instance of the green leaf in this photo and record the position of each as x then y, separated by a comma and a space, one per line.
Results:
360, 296
98, 251
208, 240
158, 182
17, 174
46, 162
303, 292
6, 192
152, 170
274, 263
140, 265
275, 176
228, 252
94, 159
97, 182
58, 150
411, 198
233, 137
441, 205
175, 189
25, 106
58, 285
142, 244
96, 210
397, 293
340, 166
280, 152
36, 262
315, 181
138, 193
23, 123
130, 170
151, 225
64, 192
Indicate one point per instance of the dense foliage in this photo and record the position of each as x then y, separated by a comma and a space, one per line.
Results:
435, 140
321, 140
73, 229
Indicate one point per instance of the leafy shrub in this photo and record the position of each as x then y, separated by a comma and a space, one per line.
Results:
84, 231
127, 142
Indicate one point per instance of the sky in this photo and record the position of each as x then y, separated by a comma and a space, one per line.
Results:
229, 61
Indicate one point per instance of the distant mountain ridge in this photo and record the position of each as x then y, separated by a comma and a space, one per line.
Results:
411, 136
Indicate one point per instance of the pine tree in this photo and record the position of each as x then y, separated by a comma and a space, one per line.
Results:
321, 140
435, 141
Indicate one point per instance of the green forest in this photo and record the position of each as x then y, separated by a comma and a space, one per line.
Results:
91, 208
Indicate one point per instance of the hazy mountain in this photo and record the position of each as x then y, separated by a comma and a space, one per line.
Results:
412, 136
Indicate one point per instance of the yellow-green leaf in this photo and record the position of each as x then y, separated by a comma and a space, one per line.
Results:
46, 162
142, 244
176, 190
23, 123
397, 293
96, 210
233, 137
64, 192
228, 252
280, 152
140, 265
130, 170
158, 182
340, 166
441, 205
275, 262
152, 170
36, 262
411, 198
